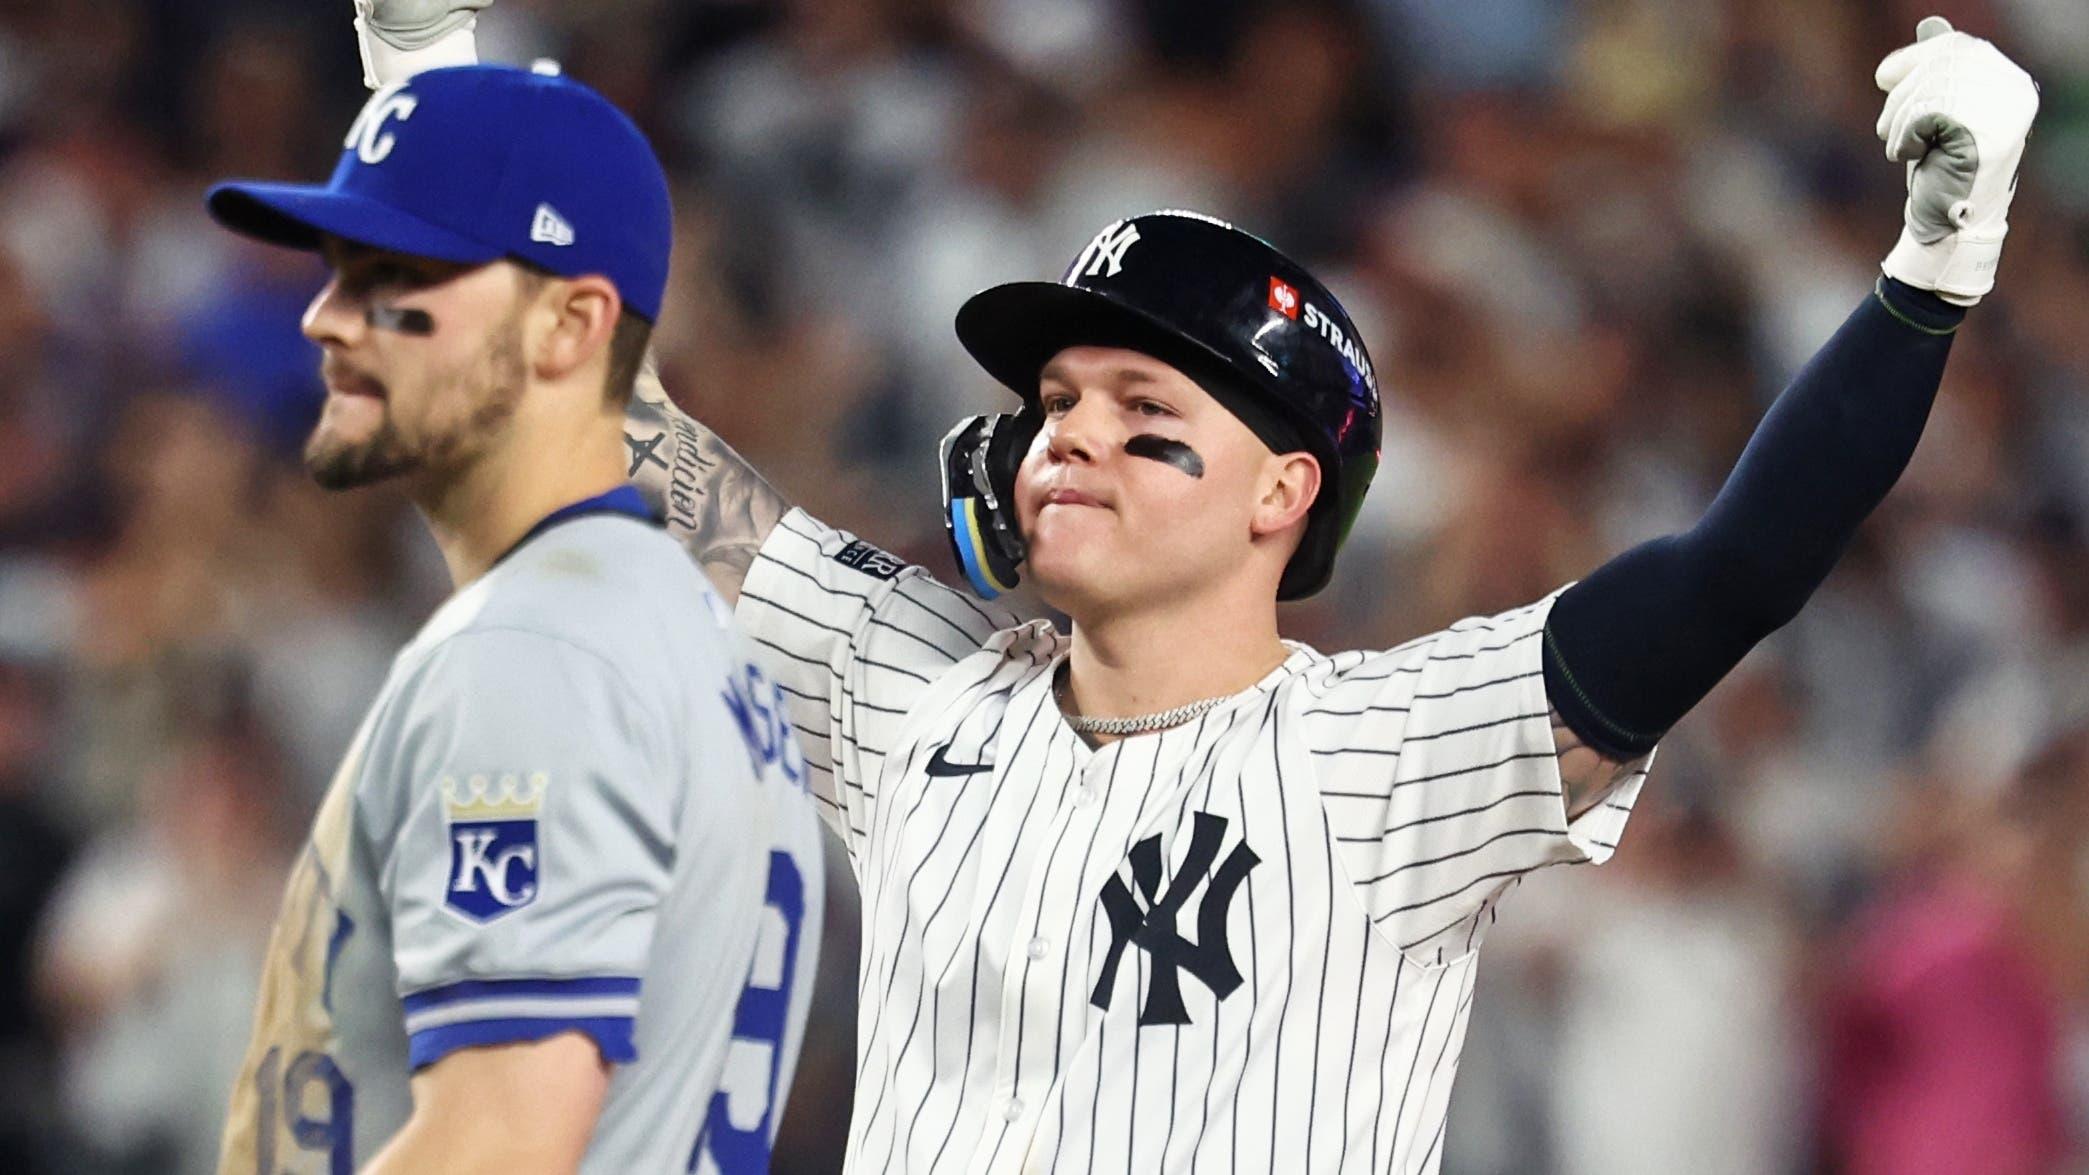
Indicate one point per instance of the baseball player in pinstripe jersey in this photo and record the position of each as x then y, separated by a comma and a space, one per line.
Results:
1167, 892
559, 906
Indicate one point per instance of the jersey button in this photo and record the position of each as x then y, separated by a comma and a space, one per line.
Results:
1083, 796
1012, 1111
1039, 948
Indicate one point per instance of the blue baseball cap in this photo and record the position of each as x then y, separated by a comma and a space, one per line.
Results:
476, 163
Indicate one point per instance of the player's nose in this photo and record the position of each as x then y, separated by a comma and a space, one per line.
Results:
1078, 433
333, 318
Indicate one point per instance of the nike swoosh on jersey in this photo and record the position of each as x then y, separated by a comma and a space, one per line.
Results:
941, 767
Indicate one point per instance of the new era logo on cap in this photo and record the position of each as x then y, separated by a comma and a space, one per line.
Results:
472, 164
550, 228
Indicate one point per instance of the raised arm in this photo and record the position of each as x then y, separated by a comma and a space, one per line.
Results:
712, 499
1629, 650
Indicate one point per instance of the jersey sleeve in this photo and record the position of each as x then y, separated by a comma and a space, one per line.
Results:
527, 847
854, 637
1440, 778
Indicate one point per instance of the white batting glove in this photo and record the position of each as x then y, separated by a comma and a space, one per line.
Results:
1957, 113
400, 38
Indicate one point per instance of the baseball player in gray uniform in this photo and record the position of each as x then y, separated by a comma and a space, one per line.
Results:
1167, 892
559, 906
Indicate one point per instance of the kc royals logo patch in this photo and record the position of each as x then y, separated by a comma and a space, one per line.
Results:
494, 858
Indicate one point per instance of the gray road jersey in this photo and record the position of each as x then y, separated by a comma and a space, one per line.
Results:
575, 805
1246, 944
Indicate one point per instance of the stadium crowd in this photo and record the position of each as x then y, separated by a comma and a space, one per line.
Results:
1848, 930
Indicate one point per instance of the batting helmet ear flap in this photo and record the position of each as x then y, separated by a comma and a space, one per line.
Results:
980, 458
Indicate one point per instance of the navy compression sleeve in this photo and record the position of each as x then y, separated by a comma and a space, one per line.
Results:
1630, 649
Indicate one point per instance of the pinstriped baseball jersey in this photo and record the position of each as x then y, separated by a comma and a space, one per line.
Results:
572, 807
1243, 944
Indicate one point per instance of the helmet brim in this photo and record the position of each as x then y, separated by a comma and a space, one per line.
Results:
1014, 330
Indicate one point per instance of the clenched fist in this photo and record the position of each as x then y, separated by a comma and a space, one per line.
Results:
400, 38
1957, 113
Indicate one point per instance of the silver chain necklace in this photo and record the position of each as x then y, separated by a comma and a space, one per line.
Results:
1140, 724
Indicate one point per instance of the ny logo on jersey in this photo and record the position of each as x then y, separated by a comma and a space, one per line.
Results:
1153, 929
1104, 256
493, 844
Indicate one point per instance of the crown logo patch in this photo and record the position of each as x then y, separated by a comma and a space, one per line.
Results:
482, 797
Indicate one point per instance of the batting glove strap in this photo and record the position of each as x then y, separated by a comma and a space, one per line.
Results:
1957, 113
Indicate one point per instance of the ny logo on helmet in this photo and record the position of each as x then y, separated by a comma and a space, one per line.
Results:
367, 134
1153, 929
1104, 256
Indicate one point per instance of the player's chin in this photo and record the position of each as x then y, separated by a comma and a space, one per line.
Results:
1076, 528
344, 458
1073, 576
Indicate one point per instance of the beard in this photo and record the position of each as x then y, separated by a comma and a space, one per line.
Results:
473, 404
337, 464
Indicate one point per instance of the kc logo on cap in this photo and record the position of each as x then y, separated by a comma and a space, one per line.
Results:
367, 133
474, 164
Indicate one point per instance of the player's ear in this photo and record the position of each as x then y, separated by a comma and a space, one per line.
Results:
1289, 483
573, 320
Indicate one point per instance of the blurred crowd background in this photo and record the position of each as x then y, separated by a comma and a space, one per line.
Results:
1588, 240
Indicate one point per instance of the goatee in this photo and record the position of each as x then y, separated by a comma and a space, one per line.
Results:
496, 391
337, 466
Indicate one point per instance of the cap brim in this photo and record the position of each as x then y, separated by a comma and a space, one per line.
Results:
301, 216
1013, 330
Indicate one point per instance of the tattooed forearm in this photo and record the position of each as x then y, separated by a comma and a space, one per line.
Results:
1586, 774
714, 502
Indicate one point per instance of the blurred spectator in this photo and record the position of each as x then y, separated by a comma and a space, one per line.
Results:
33, 851
152, 949
38, 428
1948, 1023
1679, 1003
1662, 992
162, 607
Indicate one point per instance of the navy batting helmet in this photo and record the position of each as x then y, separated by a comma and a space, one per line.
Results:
1250, 325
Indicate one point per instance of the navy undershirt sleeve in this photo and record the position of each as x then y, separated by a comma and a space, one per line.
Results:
1630, 649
